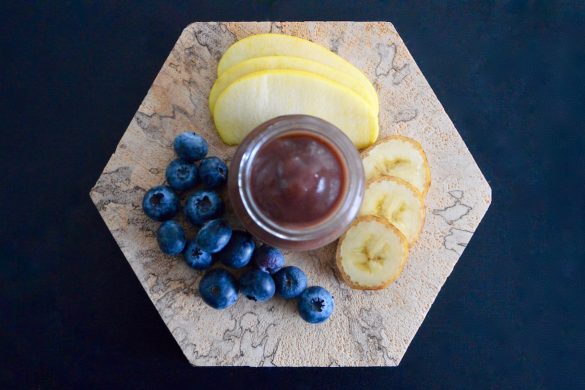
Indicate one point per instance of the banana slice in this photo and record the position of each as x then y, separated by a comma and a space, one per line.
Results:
371, 254
401, 157
398, 202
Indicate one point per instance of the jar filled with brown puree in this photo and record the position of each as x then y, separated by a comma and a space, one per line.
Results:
296, 182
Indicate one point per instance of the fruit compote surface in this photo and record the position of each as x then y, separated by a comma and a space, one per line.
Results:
298, 179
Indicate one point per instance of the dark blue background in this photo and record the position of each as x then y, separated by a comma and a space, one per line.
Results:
511, 77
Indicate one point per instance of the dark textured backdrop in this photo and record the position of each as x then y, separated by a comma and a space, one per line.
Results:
511, 77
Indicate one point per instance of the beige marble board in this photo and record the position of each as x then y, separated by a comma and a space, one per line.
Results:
366, 328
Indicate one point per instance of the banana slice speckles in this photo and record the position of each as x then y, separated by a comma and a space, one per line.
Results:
401, 157
371, 254
398, 202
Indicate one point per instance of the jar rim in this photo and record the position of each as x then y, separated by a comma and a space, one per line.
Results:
346, 209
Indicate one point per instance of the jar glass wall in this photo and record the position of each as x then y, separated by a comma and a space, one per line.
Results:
268, 215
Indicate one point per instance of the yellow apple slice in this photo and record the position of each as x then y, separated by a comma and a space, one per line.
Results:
260, 96
371, 254
401, 157
262, 45
365, 90
398, 202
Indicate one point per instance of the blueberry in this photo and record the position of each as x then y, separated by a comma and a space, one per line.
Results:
160, 203
181, 175
268, 259
213, 172
315, 305
202, 206
214, 235
218, 288
238, 251
257, 285
171, 238
290, 282
190, 146
196, 257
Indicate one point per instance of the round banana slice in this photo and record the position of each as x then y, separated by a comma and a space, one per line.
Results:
371, 254
401, 157
398, 202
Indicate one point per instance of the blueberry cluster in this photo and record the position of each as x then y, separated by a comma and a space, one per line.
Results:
217, 242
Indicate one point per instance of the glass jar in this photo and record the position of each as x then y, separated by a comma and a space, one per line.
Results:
296, 236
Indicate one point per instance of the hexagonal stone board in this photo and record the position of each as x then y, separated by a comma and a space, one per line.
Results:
367, 328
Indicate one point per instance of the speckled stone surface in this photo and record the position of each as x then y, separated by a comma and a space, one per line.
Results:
367, 328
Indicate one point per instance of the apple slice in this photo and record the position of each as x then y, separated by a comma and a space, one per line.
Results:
262, 45
260, 96
365, 90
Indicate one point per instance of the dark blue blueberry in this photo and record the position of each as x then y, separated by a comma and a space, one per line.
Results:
181, 175
202, 206
213, 172
268, 259
238, 251
190, 146
257, 285
196, 257
290, 282
214, 235
218, 288
315, 305
160, 203
171, 238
